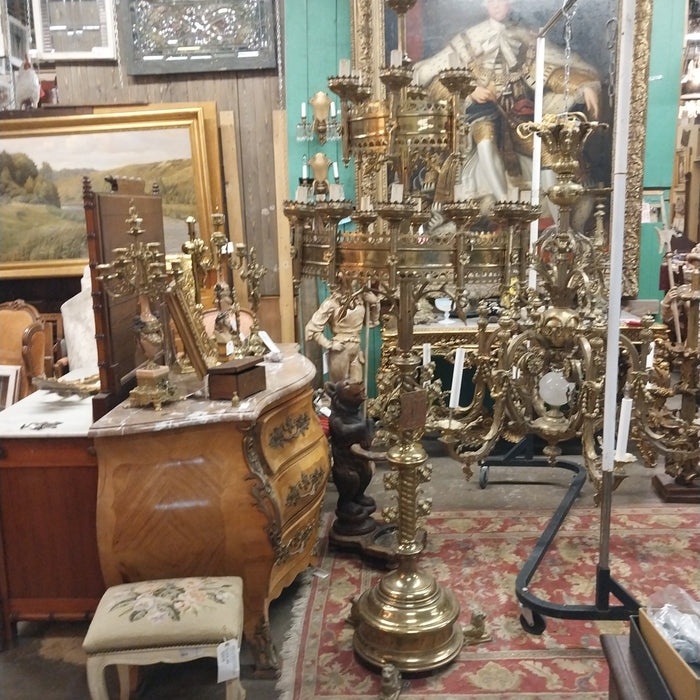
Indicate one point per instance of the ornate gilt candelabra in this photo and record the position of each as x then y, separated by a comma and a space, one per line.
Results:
252, 272
665, 426
407, 619
542, 365
139, 270
200, 256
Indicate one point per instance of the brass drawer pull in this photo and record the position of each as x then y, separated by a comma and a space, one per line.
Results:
306, 487
290, 430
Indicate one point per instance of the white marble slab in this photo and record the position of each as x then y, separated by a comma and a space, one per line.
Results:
44, 414
282, 378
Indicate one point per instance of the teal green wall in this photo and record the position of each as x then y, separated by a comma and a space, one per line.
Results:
668, 25
317, 36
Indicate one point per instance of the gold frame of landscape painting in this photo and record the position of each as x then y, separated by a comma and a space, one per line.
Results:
42, 220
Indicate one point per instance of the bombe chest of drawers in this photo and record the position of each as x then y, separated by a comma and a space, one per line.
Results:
206, 488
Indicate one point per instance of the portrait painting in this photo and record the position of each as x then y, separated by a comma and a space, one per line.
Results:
496, 41
440, 30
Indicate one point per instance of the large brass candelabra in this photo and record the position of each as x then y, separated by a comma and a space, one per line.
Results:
542, 365
666, 390
407, 619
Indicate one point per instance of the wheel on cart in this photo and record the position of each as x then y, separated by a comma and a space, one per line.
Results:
483, 475
532, 622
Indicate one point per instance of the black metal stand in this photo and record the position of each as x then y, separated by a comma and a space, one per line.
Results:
534, 609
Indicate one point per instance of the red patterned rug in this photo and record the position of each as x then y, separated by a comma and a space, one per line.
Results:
477, 555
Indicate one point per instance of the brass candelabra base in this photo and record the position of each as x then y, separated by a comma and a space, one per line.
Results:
407, 619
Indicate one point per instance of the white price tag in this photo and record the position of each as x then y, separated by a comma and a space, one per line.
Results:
265, 337
228, 661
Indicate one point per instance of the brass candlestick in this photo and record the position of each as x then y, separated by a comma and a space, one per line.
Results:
251, 272
407, 619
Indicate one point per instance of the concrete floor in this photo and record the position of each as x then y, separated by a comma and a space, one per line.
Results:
26, 675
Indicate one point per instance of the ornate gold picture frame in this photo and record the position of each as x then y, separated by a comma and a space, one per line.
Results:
42, 225
188, 322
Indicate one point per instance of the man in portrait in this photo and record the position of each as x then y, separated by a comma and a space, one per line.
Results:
501, 54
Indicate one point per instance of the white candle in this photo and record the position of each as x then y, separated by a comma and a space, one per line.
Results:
457, 378
397, 193
623, 88
333, 110
364, 203
623, 429
426, 354
303, 110
335, 170
395, 58
344, 67
305, 170
650, 356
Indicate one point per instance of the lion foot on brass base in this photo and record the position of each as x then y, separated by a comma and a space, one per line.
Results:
476, 632
390, 688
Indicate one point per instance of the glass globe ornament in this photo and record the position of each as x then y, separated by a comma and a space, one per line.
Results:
554, 389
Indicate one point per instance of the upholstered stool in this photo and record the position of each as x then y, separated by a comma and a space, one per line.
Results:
166, 621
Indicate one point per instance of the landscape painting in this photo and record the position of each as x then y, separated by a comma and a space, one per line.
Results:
42, 219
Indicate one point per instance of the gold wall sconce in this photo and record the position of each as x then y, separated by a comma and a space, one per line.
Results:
324, 119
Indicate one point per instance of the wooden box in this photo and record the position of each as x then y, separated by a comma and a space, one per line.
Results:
644, 659
242, 377
682, 679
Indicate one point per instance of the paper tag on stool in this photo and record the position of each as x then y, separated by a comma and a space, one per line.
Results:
228, 661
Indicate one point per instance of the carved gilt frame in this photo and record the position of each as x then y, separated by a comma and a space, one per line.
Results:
188, 322
367, 27
198, 120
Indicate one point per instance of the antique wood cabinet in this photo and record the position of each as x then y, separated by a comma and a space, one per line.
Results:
49, 566
206, 488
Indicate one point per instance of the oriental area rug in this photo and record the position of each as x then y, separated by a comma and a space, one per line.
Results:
477, 555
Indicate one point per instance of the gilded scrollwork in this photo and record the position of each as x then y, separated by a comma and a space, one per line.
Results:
263, 493
635, 161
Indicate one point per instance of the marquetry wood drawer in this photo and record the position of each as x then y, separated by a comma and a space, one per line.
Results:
301, 481
298, 548
287, 431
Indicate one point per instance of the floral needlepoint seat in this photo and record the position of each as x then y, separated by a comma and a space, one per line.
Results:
166, 621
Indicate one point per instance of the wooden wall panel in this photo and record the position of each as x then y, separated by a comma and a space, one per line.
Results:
257, 100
